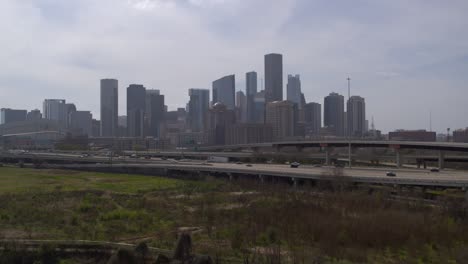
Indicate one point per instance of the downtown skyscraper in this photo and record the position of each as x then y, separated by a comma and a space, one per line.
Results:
136, 108
334, 114
356, 116
293, 90
198, 106
224, 90
273, 77
155, 112
251, 90
109, 107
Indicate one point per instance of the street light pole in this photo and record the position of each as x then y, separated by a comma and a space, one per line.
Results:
348, 121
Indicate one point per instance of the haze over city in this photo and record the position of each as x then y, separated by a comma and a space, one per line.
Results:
406, 58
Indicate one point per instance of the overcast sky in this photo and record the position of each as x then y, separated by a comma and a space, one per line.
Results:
406, 58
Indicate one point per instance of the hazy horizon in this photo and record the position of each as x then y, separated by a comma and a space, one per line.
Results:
405, 58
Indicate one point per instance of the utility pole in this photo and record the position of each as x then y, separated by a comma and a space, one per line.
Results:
348, 121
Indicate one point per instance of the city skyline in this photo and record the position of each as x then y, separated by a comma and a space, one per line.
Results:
391, 62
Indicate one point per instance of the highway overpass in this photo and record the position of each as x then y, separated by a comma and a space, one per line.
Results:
445, 146
408, 177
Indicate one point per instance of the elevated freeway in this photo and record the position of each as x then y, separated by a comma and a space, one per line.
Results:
408, 177
446, 146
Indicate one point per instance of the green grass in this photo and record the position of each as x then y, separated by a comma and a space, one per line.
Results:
344, 226
14, 180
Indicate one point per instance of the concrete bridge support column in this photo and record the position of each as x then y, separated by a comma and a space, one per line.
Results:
466, 196
441, 160
262, 180
327, 156
294, 182
398, 158
230, 176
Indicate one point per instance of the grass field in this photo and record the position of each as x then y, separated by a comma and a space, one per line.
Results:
236, 220
14, 180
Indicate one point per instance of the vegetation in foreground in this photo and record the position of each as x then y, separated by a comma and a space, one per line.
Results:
233, 221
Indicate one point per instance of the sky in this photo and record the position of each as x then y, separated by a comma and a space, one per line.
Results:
408, 59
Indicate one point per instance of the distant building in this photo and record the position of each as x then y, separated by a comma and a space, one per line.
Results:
8, 115
248, 133
259, 107
155, 113
189, 139
241, 107
460, 135
273, 77
81, 123
334, 114
109, 107
412, 135
198, 106
293, 89
356, 116
136, 107
312, 118
251, 91
282, 116
34, 126
34, 115
220, 118
70, 108
57, 110
224, 91
96, 128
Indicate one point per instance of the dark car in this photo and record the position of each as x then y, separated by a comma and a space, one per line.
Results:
391, 174
249, 165
435, 170
295, 165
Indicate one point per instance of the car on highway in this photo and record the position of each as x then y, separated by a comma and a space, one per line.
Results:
391, 174
435, 170
249, 165
239, 163
295, 165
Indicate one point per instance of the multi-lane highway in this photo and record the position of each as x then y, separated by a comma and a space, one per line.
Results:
446, 178
420, 177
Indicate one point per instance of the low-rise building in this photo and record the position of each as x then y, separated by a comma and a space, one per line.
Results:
460, 135
412, 135
248, 133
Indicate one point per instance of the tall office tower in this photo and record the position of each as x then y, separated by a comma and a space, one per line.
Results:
259, 107
198, 106
282, 116
81, 122
155, 111
8, 115
109, 107
241, 107
334, 114
136, 106
356, 116
312, 118
293, 89
219, 118
224, 91
56, 109
34, 115
251, 90
273, 77
70, 108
